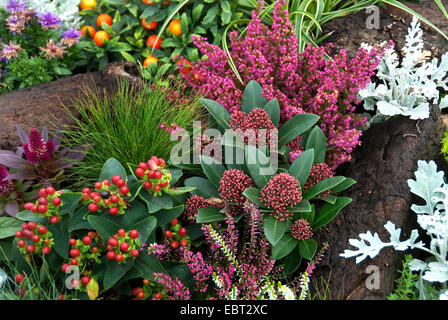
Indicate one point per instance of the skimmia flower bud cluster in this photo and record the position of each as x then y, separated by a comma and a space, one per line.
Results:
155, 175
107, 196
123, 245
47, 205
85, 252
34, 239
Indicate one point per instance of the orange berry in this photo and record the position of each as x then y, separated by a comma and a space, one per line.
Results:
152, 43
152, 25
175, 28
148, 1
87, 4
165, 3
104, 17
149, 60
90, 30
100, 36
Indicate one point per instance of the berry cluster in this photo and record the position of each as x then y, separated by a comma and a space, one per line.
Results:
85, 252
149, 289
47, 205
177, 235
39, 239
155, 175
107, 196
123, 245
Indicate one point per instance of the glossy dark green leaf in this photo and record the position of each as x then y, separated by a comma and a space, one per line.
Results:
307, 248
345, 184
219, 113
272, 108
115, 271
137, 212
203, 187
284, 246
110, 168
322, 186
144, 228
9, 226
253, 195
209, 214
260, 168
295, 126
292, 262
165, 216
61, 236
149, 264
179, 190
317, 141
252, 97
303, 206
301, 167
328, 212
212, 169
70, 202
274, 229
105, 227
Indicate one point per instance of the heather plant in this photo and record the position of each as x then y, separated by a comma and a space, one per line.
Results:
430, 185
407, 87
39, 162
35, 48
296, 199
303, 82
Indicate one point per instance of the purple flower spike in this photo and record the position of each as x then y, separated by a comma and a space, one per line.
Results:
38, 150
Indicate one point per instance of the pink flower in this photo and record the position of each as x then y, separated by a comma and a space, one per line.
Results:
232, 185
37, 150
301, 229
319, 172
194, 203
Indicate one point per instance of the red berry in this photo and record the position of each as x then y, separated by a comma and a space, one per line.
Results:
28, 234
147, 185
113, 211
86, 240
140, 172
74, 261
121, 183
152, 165
19, 278
21, 243
124, 190
184, 242
42, 208
135, 291
35, 238
94, 250
113, 242
134, 253
168, 234
86, 190
25, 226
115, 179
64, 267
43, 192
151, 174
140, 295
50, 191
34, 208
91, 234
74, 253
158, 175
124, 247
143, 166
106, 182
47, 241
56, 202
28, 206
157, 188
174, 245
97, 199
46, 250
72, 242
42, 230
106, 202
86, 196
158, 295
173, 222
19, 234
54, 219
122, 233
146, 281
60, 297
162, 163
93, 207
42, 200
119, 257
32, 225
94, 194
98, 185
133, 234
114, 198
85, 280
164, 184
75, 283
111, 255
182, 232
30, 248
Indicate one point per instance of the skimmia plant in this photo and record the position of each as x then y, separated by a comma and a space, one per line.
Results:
295, 199
303, 82
40, 161
430, 185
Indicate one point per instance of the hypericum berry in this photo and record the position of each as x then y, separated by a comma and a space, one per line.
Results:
86, 196
158, 175
28, 234
124, 190
74, 262
47, 241
85, 280
35, 238
174, 245
147, 185
141, 295
46, 250
114, 198
19, 278
86, 240
152, 164
54, 220
30, 248
42, 208
143, 166
124, 247
42, 201
121, 183
75, 283
119, 257
25, 226
106, 182
42, 229
122, 233
135, 291
43, 192
94, 250
98, 185
21, 243
60, 297
134, 253
151, 174
97, 199
133, 234
74, 253
168, 234
64, 267
114, 211
140, 172
164, 184
111, 255
86, 190
28, 206
183, 242
32, 225
173, 222
93, 207
158, 295
157, 188
19, 234
113, 242
105, 194
115, 179
182, 232
34, 208
146, 281
50, 190
72, 242
56, 202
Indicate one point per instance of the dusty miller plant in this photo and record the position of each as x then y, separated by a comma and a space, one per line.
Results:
432, 217
406, 88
